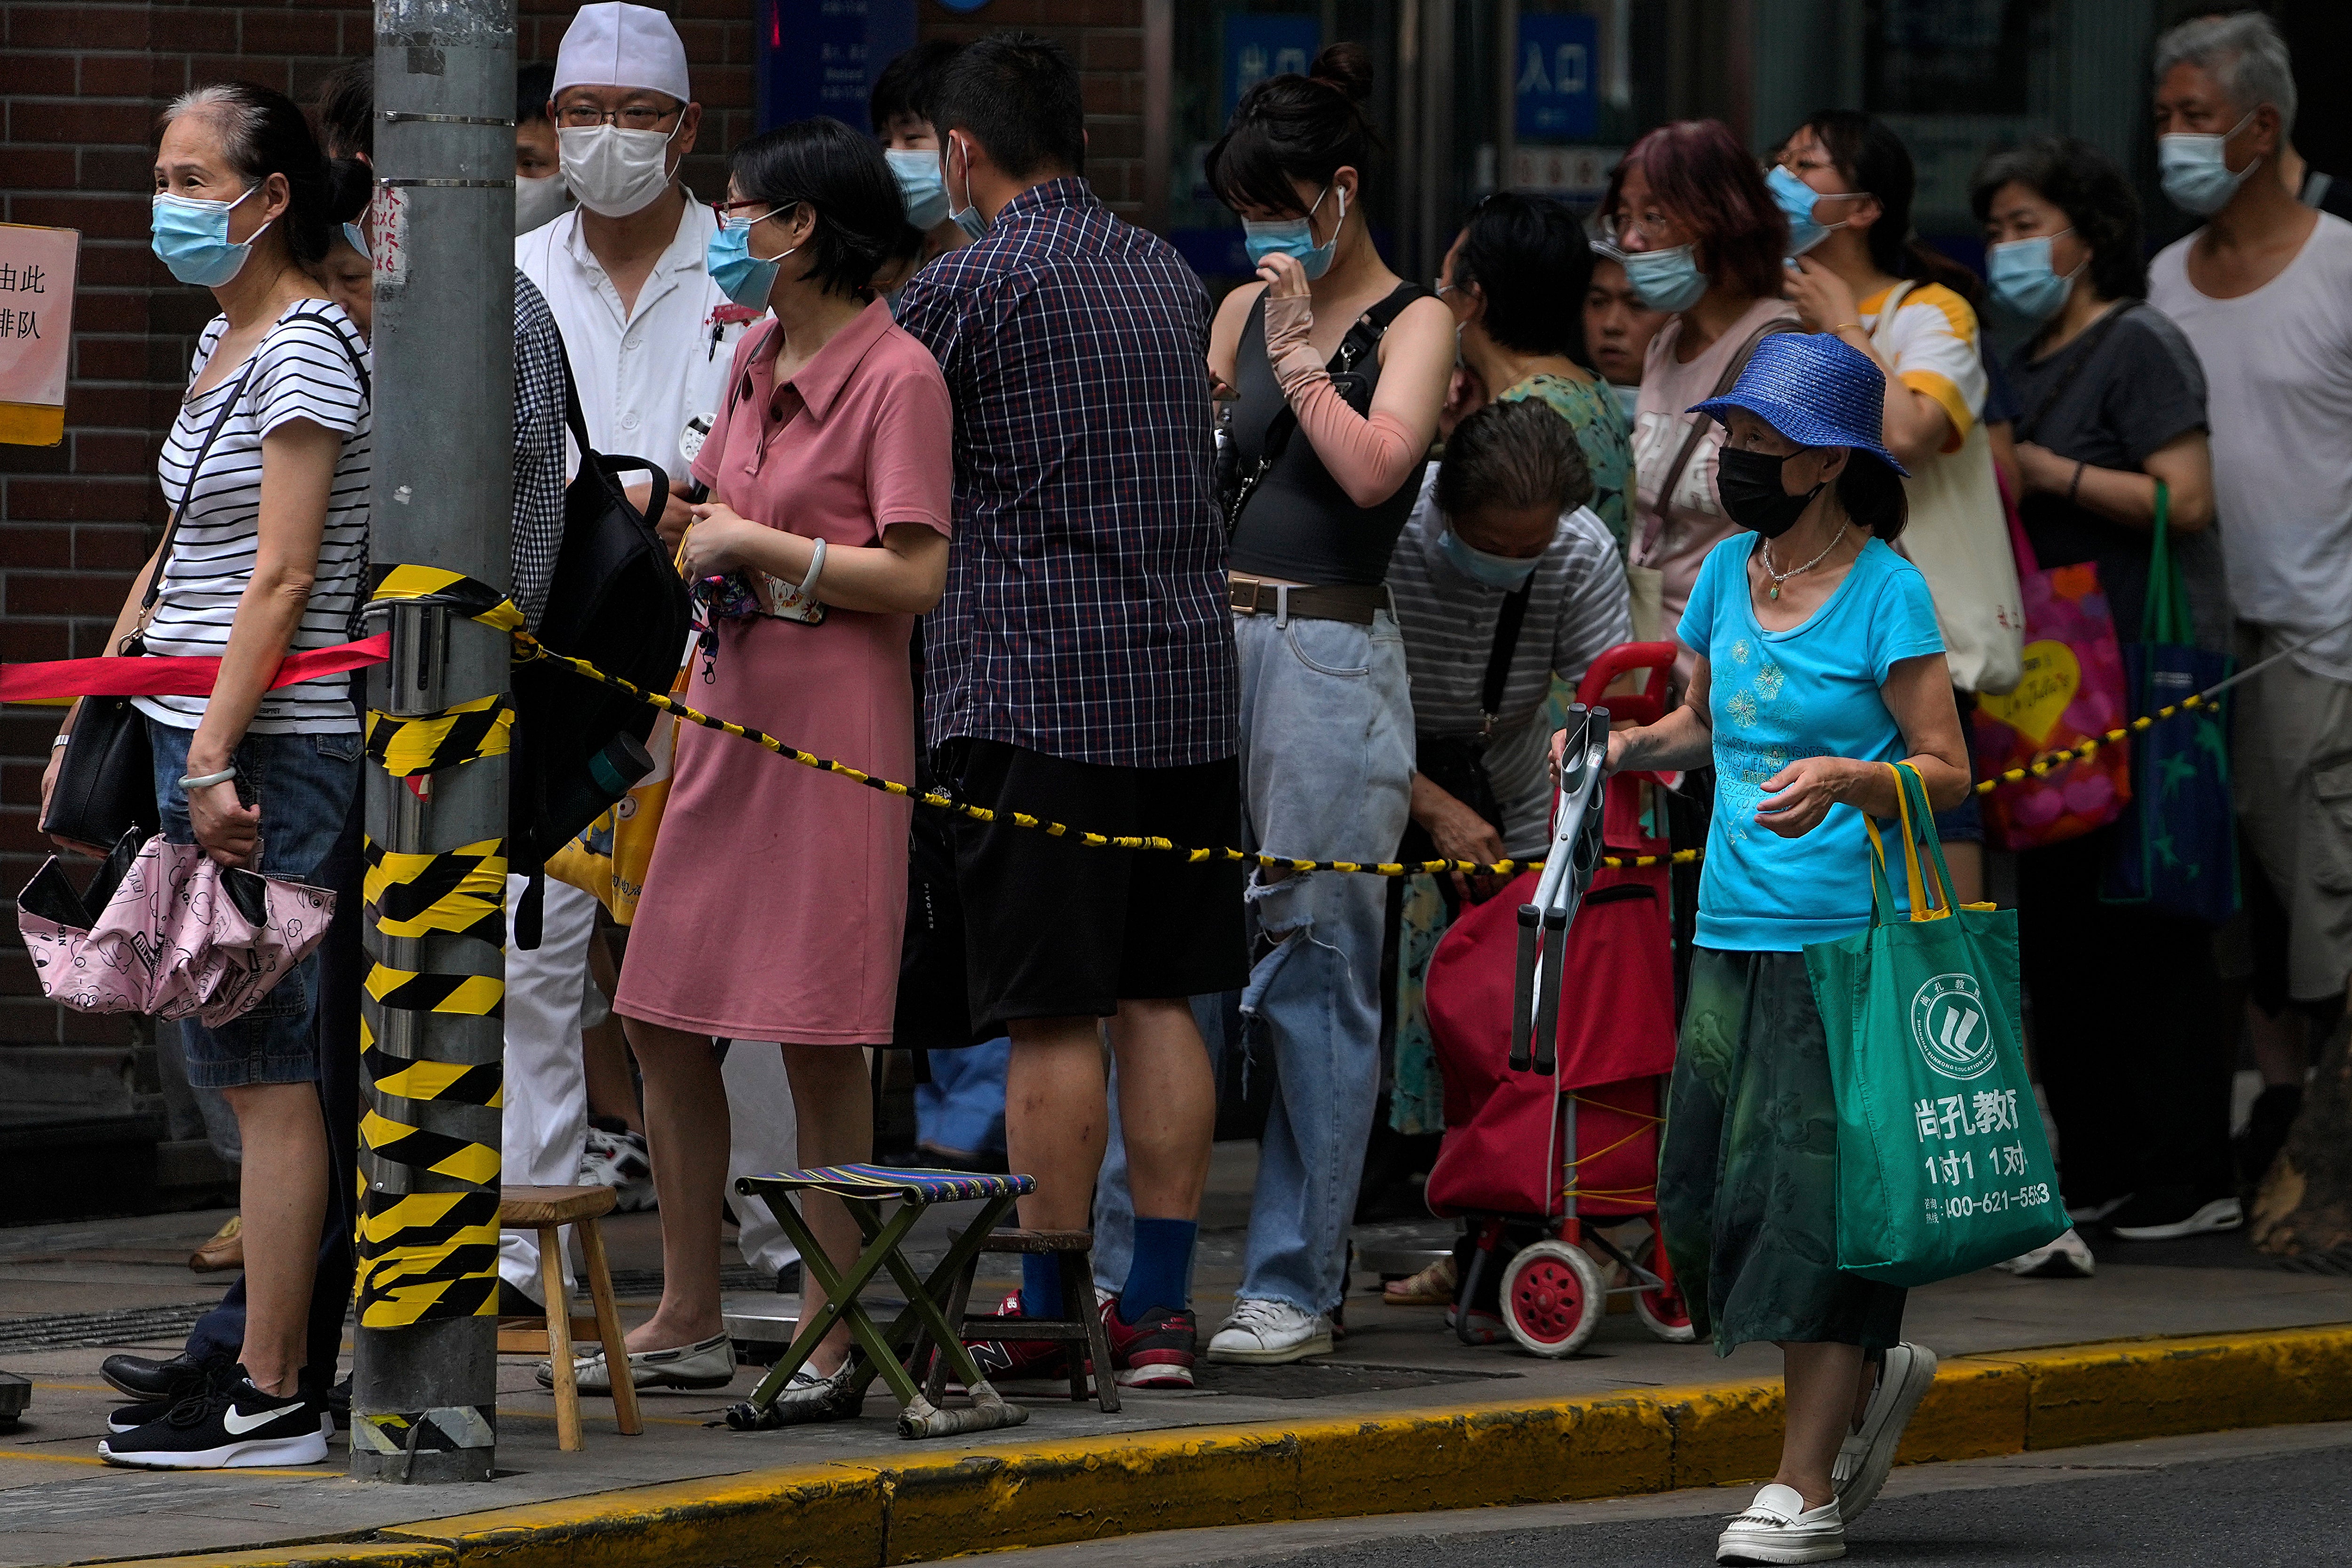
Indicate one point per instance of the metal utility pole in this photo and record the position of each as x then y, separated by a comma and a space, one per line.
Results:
425, 1405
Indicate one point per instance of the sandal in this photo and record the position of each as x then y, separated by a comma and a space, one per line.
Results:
1433, 1287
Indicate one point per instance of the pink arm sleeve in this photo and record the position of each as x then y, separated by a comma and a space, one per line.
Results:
1370, 456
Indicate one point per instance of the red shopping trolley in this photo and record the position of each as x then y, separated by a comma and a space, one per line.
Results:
1552, 1011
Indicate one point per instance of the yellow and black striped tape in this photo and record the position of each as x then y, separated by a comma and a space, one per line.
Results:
430, 1255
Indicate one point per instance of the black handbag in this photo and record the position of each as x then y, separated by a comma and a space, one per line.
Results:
106, 784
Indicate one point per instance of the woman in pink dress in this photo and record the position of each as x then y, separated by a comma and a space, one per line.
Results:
774, 903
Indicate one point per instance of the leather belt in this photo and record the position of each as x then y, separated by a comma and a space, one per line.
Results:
1355, 605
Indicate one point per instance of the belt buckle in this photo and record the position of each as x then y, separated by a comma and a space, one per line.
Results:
1255, 587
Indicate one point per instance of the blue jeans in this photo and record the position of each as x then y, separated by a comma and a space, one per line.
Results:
303, 784
1326, 774
961, 1111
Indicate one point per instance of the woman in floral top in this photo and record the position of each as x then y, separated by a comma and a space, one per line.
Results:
1516, 279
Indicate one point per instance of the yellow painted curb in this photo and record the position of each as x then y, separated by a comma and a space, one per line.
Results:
918, 1504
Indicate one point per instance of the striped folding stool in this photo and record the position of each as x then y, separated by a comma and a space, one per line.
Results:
884, 1352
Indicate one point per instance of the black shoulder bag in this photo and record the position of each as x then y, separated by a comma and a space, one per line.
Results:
1457, 763
1361, 338
106, 784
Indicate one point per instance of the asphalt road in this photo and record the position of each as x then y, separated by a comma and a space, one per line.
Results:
2234, 1500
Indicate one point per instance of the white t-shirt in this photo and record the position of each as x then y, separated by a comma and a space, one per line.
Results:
303, 369
644, 375
1932, 342
2278, 376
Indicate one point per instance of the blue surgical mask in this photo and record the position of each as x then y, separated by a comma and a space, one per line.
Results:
921, 191
966, 218
190, 236
2023, 280
1484, 567
1796, 199
2195, 173
742, 277
1665, 279
356, 237
1295, 236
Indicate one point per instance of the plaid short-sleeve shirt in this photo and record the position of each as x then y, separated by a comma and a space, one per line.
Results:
1085, 615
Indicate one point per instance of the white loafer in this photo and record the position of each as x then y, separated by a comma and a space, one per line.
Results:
1866, 1455
710, 1364
1779, 1528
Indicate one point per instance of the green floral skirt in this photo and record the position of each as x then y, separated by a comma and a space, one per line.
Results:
1748, 1179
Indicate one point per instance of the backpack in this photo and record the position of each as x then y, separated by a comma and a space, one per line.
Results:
617, 602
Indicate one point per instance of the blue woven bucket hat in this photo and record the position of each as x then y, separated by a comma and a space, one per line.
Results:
1818, 391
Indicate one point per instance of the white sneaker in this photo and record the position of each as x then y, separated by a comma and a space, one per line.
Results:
2221, 1213
2068, 1258
710, 1364
1267, 1333
1865, 1456
619, 1160
1779, 1528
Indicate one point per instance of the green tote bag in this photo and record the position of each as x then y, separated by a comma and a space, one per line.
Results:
1942, 1165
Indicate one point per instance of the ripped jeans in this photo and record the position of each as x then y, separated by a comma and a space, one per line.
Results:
1326, 774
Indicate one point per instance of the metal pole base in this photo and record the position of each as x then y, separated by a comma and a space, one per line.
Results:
397, 1432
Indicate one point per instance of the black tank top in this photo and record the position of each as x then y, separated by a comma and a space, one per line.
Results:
1299, 523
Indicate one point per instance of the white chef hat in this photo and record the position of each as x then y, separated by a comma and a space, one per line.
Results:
618, 45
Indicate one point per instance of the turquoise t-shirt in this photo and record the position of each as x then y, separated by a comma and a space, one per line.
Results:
1809, 691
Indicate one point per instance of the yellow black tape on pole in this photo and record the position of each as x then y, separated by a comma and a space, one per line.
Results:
428, 1234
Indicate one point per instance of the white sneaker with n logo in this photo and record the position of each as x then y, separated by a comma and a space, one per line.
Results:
234, 1427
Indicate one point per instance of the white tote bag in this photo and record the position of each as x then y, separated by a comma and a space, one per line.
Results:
1959, 538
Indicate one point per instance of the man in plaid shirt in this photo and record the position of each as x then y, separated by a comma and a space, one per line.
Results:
1080, 668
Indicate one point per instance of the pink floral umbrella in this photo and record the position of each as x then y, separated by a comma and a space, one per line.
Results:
175, 934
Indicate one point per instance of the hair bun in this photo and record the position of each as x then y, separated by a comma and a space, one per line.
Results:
1346, 66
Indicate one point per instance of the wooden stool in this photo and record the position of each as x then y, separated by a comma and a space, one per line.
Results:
1081, 1327
545, 1210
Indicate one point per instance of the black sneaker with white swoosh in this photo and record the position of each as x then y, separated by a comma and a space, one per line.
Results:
233, 1426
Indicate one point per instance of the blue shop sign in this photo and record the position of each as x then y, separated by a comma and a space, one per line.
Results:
1557, 59
1259, 47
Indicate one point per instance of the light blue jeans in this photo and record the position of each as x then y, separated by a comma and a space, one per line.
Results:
1326, 774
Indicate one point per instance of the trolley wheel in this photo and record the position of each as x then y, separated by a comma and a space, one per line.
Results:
1553, 1298
1664, 1312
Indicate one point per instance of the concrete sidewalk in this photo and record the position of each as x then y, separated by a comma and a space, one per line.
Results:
1394, 1383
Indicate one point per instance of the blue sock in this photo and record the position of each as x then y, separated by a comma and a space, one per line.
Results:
1041, 1285
1160, 1272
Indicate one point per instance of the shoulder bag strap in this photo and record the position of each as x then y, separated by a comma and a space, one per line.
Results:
1499, 658
1896, 294
1738, 361
2084, 347
187, 493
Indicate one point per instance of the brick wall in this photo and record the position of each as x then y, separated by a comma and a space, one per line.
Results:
1106, 38
80, 85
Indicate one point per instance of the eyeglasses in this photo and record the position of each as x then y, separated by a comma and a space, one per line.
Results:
637, 117
731, 214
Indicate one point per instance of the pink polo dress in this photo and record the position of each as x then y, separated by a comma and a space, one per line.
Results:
777, 894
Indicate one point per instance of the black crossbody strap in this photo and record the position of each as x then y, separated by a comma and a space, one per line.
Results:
1362, 338
2085, 348
188, 492
1498, 657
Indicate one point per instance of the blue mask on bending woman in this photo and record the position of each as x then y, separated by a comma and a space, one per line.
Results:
1494, 571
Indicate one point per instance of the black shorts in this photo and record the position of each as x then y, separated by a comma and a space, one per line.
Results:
1054, 929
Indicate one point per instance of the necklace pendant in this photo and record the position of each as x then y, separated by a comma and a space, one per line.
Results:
1774, 592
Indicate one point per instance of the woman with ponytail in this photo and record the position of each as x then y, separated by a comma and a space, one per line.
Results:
264, 474
1341, 367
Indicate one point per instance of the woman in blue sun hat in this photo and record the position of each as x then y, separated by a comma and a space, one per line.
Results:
1819, 663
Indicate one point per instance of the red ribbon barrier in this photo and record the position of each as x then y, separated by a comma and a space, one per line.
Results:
166, 674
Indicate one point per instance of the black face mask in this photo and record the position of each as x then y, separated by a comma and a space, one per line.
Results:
1750, 483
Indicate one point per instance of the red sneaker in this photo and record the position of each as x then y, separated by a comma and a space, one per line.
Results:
1015, 1361
1155, 1351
